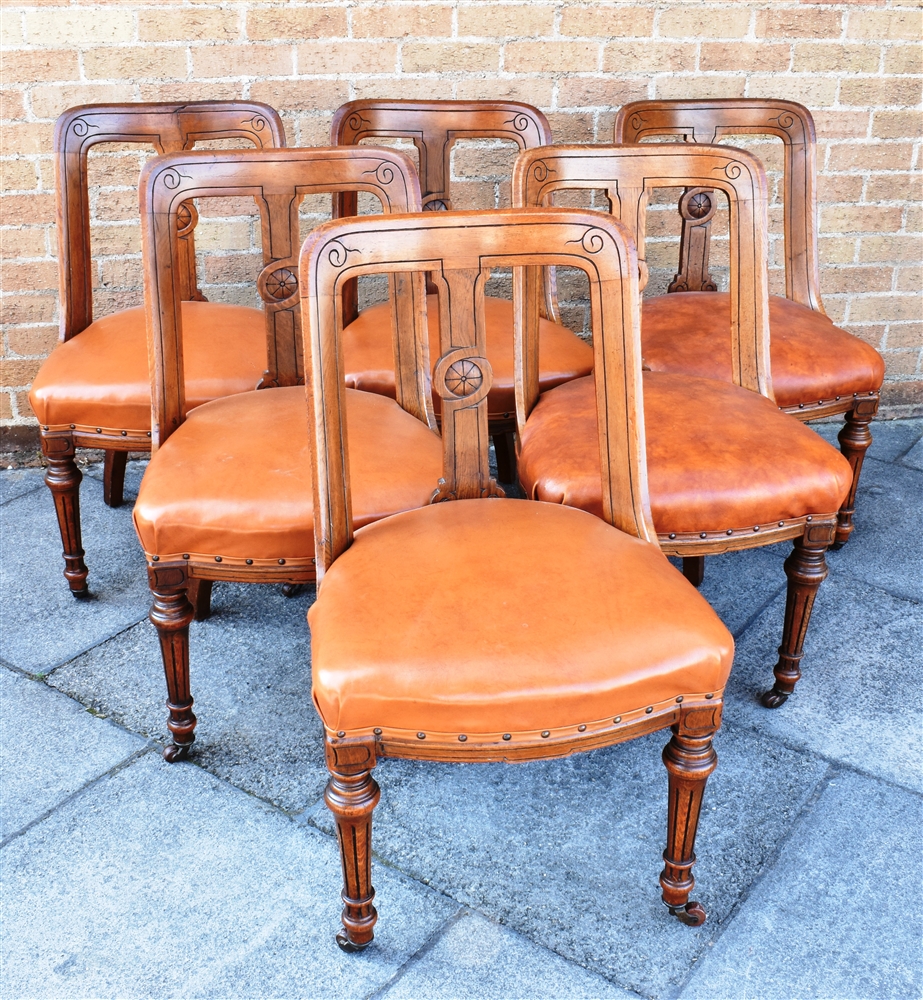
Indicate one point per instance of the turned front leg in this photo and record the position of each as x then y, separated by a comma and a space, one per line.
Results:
351, 795
63, 479
171, 614
689, 758
855, 438
806, 569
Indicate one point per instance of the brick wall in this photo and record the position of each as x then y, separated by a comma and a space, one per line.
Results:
856, 65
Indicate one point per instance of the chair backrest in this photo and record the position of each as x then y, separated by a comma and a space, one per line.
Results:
434, 127
707, 121
459, 249
628, 174
168, 128
277, 180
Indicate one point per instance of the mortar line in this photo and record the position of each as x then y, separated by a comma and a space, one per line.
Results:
122, 764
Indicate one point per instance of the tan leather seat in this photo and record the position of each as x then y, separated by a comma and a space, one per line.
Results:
719, 457
620, 630
100, 378
235, 481
369, 355
812, 360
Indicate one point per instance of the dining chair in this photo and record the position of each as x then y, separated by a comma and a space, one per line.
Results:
818, 369
93, 391
728, 469
465, 649
435, 127
227, 492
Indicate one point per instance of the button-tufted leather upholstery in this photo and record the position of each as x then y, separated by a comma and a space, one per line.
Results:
619, 631
369, 355
235, 480
100, 378
812, 360
719, 456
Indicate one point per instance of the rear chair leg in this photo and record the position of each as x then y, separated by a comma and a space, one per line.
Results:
351, 795
694, 569
114, 477
806, 569
855, 438
63, 479
505, 448
199, 593
689, 758
171, 613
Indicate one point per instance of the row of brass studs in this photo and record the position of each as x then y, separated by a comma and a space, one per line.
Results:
462, 738
836, 399
99, 430
730, 531
219, 559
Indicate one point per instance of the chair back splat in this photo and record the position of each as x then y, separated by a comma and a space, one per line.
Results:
460, 651
707, 121
278, 180
629, 174
461, 258
168, 128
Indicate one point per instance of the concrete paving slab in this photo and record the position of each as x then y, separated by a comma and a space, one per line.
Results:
51, 746
856, 854
17, 482
914, 456
890, 438
860, 699
163, 881
476, 959
43, 624
886, 549
568, 852
250, 668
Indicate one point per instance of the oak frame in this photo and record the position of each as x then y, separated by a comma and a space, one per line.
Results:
277, 180
168, 127
459, 249
628, 173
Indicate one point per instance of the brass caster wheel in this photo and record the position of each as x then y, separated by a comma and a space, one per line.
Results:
774, 698
173, 752
293, 589
81, 595
350, 946
692, 914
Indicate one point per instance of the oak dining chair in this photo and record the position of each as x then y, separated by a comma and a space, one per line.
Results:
93, 391
227, 492
727, 469
461, 651
818, 369
435, 127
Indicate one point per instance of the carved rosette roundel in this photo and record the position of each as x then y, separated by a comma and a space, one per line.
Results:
281, 283
463, 378
699, 205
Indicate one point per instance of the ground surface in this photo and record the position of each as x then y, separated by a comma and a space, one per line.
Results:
219, 877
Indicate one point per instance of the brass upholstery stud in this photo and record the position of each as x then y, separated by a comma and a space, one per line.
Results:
673, 534
507, 736
462, 738
837, 397
801, 406
249, 562
185, 555
99, 430
581, 729
704, 534
809, 518
756, 527
155, 558
617, 719
781, 524
148, 433
421, 736
730, 531
709, 697
124, 433
649, 709
377, 732
545, 734
45, 428
341, 734
679, 700
73, 426
281, 562
217, 558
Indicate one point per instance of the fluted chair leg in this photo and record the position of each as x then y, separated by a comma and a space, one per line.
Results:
63, 479
351, 795
114, 477
171, 614
806, 569
689, 758
855, 438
